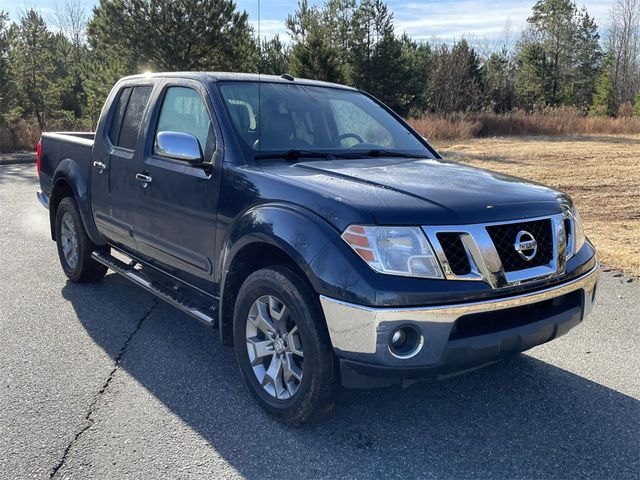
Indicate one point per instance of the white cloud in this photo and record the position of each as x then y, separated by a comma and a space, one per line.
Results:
269, 28
447, 19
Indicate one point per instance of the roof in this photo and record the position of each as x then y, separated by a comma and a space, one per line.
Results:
230, 76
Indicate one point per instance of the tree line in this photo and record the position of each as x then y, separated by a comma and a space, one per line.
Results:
60, 70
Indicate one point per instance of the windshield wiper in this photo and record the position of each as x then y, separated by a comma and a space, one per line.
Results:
297, 154
390, 153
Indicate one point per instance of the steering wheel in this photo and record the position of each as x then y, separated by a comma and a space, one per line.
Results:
350, 135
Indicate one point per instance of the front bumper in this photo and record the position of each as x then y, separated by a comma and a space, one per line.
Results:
454, 337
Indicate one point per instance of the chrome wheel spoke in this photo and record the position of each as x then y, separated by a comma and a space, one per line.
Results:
259, 350
273, 376
263, 321
278, 312
290, 369
293, 342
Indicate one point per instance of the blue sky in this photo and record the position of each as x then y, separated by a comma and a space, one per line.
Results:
427, 19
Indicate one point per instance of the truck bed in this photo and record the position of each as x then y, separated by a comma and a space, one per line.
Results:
58, 147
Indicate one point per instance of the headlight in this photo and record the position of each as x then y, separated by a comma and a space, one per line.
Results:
401, 251
577, 233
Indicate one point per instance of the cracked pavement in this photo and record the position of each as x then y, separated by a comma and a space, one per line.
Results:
103, 381
88, 416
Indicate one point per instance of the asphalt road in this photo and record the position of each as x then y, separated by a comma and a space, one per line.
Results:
101, 381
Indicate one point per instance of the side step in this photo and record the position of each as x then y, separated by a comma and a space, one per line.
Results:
169, 295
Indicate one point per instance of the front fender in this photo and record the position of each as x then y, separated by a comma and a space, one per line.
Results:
298, 232
69, 172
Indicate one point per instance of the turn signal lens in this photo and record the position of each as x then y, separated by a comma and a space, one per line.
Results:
578, 232
403, 251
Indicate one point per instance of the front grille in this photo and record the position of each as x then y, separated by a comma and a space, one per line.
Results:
484, 323
455, 252
504, 238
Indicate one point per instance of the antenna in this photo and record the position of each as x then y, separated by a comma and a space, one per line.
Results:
259, 82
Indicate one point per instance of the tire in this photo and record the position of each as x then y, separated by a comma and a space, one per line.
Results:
308, 353
71, 237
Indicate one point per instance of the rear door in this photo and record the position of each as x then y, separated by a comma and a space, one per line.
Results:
177, 209
114, 171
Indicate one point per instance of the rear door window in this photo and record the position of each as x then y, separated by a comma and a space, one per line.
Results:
133, 117
116, 121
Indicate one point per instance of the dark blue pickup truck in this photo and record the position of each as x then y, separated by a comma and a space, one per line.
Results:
316, 229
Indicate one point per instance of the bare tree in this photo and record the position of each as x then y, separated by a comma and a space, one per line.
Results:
71, 19
624, 47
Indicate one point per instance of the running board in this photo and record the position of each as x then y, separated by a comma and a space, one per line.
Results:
168, 295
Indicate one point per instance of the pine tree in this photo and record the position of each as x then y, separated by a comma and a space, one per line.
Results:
34, 60
499, 72
313, 55
415, 75
534, 78
636, 106
552, 24
338, 16
99, 73
5, 70
169, 35
588, 57
274, 56
456, 83
376, 54
605, 101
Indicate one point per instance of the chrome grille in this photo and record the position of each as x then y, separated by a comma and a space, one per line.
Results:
504, 237
455, 252
487, 252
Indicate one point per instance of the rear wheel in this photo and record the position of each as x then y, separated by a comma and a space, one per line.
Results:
282, 347
74, 246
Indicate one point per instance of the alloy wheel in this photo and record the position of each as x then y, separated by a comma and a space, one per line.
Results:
69, 237
274, 347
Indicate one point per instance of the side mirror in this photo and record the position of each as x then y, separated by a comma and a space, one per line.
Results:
178, 145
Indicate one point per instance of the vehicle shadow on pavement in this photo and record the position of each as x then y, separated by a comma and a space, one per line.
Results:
518, 418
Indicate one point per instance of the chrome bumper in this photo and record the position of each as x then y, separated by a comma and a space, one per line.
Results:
358, 329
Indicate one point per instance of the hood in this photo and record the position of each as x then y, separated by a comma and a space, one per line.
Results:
424, 191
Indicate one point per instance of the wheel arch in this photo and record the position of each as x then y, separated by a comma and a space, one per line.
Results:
68, 181
61, 189
267, 236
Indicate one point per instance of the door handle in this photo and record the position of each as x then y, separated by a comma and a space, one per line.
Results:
100, 166
145, 179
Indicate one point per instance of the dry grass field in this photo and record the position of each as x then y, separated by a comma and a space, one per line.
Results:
601, 173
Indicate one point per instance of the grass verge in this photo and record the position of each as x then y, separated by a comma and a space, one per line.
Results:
559, 121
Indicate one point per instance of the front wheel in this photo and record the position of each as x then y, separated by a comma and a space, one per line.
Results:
282, 347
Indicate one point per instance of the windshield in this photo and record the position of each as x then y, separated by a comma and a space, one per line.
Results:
279, 117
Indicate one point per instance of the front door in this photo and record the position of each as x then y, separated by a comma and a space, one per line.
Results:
176, 213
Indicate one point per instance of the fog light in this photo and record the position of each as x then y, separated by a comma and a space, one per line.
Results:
405, 342
398, 338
